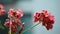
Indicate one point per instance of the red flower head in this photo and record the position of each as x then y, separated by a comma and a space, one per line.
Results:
46, 18
13, 13
14, 24
1, 6
2, 11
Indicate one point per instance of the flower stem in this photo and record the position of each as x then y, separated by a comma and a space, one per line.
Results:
10, 26
30, 27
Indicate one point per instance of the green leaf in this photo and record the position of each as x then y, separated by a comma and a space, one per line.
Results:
1, 27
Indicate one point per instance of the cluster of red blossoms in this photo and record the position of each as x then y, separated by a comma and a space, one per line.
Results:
15, 13
14, 20
45, 18
2, 10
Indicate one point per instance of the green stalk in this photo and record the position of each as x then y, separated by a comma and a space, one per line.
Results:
30, 27
10, 25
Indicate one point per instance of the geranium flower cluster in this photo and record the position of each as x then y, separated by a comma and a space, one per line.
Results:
45, 18
14, 20
15, 13
2, 10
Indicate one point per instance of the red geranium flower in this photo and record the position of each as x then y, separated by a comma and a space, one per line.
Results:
13, 20
46, 18
14, 24
2, 11
15, 13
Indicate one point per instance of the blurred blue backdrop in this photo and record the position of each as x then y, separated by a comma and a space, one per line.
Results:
31, 6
